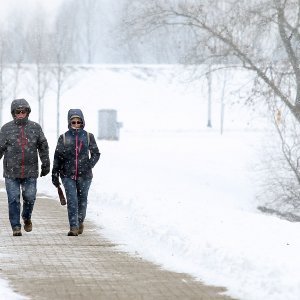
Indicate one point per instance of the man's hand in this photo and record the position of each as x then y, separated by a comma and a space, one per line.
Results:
45, 170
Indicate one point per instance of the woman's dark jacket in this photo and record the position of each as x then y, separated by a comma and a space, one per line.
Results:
76, 153
21, 141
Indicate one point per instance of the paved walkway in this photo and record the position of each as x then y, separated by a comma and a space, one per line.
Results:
47, 264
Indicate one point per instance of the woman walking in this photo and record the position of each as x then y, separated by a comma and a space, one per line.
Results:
75, 155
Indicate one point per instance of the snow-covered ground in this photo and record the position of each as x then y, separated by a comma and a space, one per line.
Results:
176, 192
7, 293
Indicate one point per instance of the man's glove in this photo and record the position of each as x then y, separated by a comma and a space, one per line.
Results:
55, 180
45, 170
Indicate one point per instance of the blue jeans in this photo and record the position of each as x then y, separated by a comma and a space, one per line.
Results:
13, 188
76, 193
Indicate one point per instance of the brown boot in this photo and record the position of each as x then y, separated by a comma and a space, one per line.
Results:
73, 231
80, 230
27, 225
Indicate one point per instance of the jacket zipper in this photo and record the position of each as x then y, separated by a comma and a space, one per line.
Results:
76, 156
23, 143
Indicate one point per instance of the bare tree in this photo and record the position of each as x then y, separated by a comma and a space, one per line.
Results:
4, 43
63, 51
259, 36
153, 42
243, 32
38, 50
209, 83
17, 30
89, 15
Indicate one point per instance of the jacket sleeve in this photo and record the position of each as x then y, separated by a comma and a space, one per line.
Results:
3, 145
58, 156
43, 149
95, 154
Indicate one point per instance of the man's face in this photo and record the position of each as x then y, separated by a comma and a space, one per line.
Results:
20, 113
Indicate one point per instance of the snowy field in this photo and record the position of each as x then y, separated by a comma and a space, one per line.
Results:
178, 193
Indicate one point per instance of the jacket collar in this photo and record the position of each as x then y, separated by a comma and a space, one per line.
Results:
21, 121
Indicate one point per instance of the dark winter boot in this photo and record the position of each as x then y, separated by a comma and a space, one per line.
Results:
73, 231
27, 225
17, 231
80, 230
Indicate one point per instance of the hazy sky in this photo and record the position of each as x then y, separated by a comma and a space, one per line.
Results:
7, 5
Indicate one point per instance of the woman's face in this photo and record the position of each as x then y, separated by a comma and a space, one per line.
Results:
76, 123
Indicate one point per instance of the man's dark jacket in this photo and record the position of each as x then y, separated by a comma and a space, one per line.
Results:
76, 152
21, 141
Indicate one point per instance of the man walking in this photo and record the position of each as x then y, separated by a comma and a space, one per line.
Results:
21, 140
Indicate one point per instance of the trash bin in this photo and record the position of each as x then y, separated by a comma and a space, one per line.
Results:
109, 128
